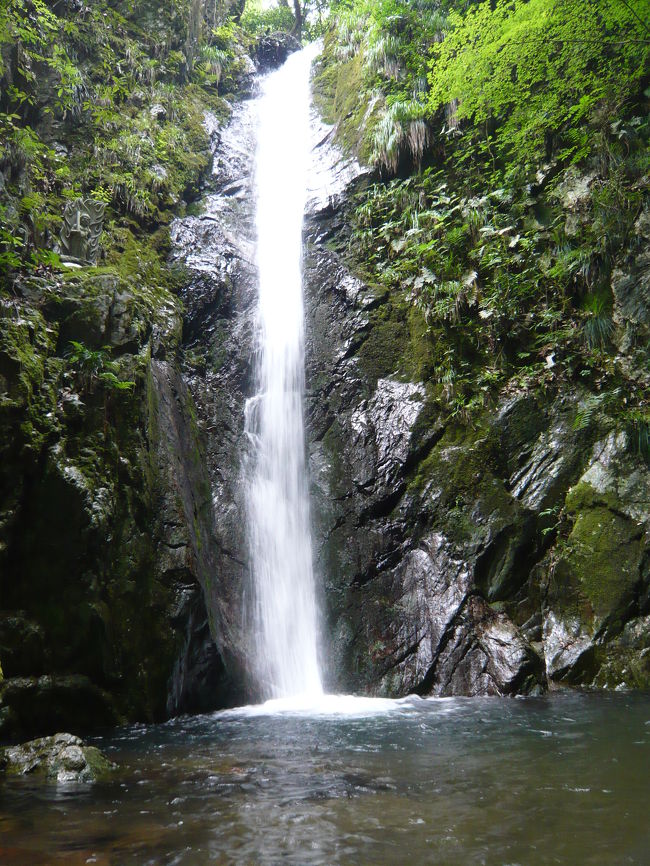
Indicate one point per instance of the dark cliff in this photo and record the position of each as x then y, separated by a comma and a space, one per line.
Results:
478, 374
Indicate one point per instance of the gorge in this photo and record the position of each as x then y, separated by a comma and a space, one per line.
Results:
357, 431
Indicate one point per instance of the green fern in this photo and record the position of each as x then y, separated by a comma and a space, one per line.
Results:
638, 432
598, 326
588, 408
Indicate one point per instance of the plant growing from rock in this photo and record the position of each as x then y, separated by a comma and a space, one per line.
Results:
92, 367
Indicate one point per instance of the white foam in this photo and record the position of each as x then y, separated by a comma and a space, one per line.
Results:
315, 705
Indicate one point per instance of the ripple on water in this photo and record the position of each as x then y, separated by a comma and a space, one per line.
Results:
421, 781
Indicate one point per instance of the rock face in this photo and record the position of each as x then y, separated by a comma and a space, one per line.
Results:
499, 558
62, 758
106, 527
219, 300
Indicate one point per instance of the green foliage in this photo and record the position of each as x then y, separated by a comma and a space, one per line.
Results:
638, 430
34, 26
258, 21
93, 366
598, 326
132, 91
589, 410
530, 72
533, 156
393, 39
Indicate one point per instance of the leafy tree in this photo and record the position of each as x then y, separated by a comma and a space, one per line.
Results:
257, 21
532, 73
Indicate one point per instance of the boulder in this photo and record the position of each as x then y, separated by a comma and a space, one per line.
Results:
62, 758
273, 49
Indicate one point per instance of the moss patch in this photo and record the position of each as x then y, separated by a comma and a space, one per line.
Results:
337, 91
604, 552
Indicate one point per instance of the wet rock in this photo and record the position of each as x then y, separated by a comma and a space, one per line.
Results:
62, 758
545, 451
631, 288
485, 655
565, 642
218, 333
459, 561
272, 50
598, 580
625, 661
383, 425
430, 586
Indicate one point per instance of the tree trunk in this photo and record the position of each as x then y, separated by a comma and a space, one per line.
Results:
297, 11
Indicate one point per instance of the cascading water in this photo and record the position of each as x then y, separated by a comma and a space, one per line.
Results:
285, 617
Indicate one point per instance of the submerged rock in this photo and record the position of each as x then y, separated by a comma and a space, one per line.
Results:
62, 758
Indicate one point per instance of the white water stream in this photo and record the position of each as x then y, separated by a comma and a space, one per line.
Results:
285, 616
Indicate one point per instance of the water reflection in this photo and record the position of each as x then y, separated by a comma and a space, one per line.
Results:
484, 781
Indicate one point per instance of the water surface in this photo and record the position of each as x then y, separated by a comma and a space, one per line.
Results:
558, 779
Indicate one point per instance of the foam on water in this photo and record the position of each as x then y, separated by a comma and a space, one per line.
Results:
311, 706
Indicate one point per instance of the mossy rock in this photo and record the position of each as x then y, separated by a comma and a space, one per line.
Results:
62, 758
25, 342
604, 553
625, 662
337, 87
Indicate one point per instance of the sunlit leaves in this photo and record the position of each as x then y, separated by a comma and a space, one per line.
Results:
526, 70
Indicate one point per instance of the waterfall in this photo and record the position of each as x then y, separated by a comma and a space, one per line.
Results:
285, 616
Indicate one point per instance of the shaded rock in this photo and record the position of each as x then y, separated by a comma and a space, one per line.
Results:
35, 705
104, 510
625, 661
62, 758
631, 288
273, 49
22, 645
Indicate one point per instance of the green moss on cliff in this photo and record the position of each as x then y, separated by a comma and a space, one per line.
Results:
78, 536
337, 88
604, 552
116, 113
25, 342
